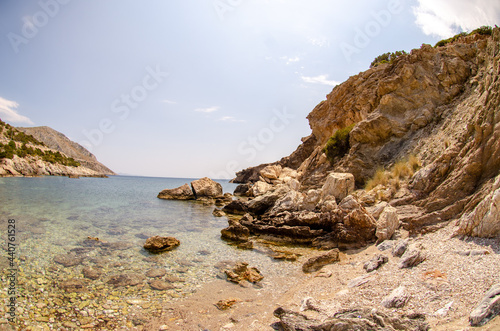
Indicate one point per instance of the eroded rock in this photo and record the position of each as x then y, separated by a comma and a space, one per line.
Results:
158, 244
183, 192
317, 262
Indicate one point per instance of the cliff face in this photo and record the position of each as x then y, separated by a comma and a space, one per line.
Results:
58, 141
43, 151
441, 105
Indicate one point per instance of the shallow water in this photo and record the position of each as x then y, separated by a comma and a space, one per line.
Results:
56, 215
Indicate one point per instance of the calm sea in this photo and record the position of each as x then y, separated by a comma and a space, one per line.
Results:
54, 216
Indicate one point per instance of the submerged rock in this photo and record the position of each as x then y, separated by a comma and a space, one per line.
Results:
91, 273
241, 272
235, 231
73, 285
68, 260
160, 285
129, 279
157, 244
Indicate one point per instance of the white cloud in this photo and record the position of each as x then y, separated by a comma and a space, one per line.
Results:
229, 119
290, 60
170, 102
207, 110
321, 79
8, 112
446, 18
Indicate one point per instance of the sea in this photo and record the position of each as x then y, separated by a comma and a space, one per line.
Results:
46, 218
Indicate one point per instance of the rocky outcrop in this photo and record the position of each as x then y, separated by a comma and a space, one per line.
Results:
438, 105
317, 262
205, 187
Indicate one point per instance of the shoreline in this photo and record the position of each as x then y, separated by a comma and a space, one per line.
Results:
461, 279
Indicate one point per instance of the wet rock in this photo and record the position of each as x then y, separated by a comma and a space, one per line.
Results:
243, 190
130, 279
397, 299
400, 248
73, 285
387, 223
317, 262
183, 192
338, 185
351, 319
235, 231
160, 285
119, 245
375, 263
157, 244
411, 258
236, 207
173, 279
68, 260
91, 273
224, 200
156, 272
218, 213
205, 187
142, 235
488, 308
241, 272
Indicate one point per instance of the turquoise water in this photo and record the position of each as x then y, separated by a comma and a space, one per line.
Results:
55, 215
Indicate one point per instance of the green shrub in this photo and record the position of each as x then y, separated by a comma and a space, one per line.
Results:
338, 144
484, 31
387, 58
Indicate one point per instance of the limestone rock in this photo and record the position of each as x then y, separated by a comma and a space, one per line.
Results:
264, 202
205, 187
412, 257
338, 185
218, 213
243, 190
488, 308
291, 201
397, 299
260, 188
400, 248
387, 223
271, 172
311, 199
235, 231
317, 262
377, 209
183, 192
241, 272
484, 220
236, 207
158, 244
375, 262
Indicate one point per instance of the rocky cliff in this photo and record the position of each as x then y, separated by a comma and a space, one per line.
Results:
49, 153
58, 141
437, 105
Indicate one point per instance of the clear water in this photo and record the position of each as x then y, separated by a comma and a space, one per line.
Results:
56, 214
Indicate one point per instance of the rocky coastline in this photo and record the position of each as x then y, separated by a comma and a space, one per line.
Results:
420, 180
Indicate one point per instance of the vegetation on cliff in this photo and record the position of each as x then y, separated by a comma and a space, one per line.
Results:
338, 144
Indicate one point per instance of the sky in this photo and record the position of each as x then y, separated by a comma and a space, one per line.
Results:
194, 88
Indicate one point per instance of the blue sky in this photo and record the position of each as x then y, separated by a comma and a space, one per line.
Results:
198, 88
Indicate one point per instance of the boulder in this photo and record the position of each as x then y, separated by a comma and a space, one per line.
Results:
235, 231
338, 185
260, 188
183, 192
236, 207
400, 248
243, 190
488, 308
205, 187
157, 244
397, 299
271, 172
311, 199
317, 262
411, 258
262, 203
289, 202
387, 223
218, 213
377, 209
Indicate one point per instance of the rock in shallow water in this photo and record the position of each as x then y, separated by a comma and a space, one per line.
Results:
157, 244
183, 192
